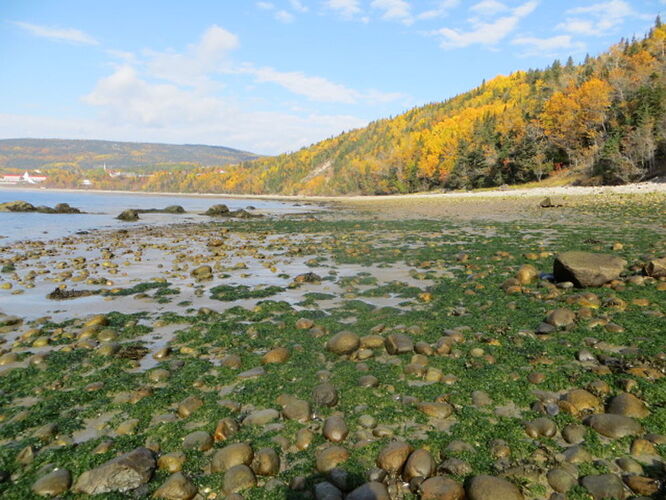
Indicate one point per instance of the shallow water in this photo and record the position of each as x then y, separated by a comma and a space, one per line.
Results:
102, 208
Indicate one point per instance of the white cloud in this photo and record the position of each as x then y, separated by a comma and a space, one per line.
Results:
442, 9
488, 8
133, 108
347, 8
265, 6
547, 47
298, 6
394, 10
70, 35
284, 17
190, 68
598, 19
486, 33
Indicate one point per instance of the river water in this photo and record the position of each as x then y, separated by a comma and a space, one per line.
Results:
102, 208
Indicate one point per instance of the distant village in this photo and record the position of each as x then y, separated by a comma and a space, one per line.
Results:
37, 177
25, 178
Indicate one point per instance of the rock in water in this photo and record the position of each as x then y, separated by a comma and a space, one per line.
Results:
123, 473
217, 210
586, 269
17, 206
128, 215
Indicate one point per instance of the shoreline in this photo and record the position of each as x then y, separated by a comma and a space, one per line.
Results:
636, 188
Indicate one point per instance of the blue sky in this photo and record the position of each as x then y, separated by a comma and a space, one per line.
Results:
272, 76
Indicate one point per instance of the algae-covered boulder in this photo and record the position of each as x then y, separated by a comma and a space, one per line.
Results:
129, 215
17, 206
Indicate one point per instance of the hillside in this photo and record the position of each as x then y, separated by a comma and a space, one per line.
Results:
29, 154
602, 119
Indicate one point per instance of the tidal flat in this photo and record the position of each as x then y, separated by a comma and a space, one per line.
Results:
384, 349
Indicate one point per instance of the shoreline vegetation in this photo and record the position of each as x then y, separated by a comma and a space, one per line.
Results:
481, 346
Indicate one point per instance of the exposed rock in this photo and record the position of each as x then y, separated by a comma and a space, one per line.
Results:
331, 457
343, 343
266, 462
586, 269
561, 480
123, 473
419, 464
335, 429
325, 395
232, 455
561, 318
393, 456
239, 478
441, 488
492, 488
261, 417
176, 487
614, 426
398, 343
628, 405
604, 486
217, 210
327, 491
129, 215
202, 273
52, 484
276, 356
656, 268
370, 491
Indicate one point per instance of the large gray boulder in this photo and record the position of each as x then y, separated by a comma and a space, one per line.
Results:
585, 269
123, 473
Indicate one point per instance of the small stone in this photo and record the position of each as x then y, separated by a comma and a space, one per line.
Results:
335, 429
327, 491
370, 491
343, 343
171, 462
642, 485
419, 464
239, 478
614, 426
393, 456
561, 318
198, 440
398, 343
276, 356
52, 484
176, 487
232, 455
441, 488
492, 488
604, 486
436, 410
225, 428
188, 406
628, 405
261, 417
325, 395
266, 462
561, 480
331, 457
124, 473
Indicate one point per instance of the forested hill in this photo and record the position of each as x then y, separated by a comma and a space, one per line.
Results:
603, 118
24, 154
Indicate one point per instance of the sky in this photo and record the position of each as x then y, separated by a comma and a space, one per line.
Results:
276, 75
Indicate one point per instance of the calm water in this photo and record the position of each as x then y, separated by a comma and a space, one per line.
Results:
103, 208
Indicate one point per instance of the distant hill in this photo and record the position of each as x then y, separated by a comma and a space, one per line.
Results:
603, 120
30, 154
